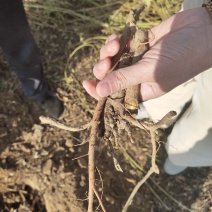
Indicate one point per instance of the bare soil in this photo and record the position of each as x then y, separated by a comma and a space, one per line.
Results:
43, 169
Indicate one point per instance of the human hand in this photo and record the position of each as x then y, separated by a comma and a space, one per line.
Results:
181, 49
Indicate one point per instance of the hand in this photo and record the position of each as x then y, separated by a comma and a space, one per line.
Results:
181, 49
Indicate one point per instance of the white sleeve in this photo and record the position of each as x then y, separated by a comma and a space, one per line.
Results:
189, 4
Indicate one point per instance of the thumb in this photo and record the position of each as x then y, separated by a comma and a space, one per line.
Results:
123, 78
111, 83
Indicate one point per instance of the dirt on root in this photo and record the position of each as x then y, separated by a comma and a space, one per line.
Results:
43, 168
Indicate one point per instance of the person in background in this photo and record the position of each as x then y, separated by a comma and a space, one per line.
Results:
175, 70
22, 53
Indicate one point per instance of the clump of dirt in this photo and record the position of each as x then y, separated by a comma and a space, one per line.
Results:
37, 170
44, 168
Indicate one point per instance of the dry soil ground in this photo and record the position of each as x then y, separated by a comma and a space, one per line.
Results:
40, 169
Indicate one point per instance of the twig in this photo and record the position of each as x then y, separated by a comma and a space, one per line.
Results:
52, 122
135, 165
158, 197
99, 199
80, 157
171, 197
101, 180
135, 190
153, 169
166, 119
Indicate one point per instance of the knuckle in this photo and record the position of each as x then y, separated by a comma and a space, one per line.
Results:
95, 68
108, 40
120, 80
111, 37
102, 52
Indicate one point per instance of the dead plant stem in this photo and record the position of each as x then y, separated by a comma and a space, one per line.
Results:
153, 169
99, 199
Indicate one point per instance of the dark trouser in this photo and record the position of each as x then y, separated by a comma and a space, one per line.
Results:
20, 48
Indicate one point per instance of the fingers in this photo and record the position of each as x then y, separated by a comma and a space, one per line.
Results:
90, 87
101, 68
123, 78
111, 37
110, 49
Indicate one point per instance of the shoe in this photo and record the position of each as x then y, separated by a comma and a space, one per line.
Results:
51, 105
172, 169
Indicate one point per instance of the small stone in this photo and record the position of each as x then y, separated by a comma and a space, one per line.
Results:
82, 182
36, 156
38, 132
69, 143
62, 175
44, 152
71, 150
23, 208
47, 167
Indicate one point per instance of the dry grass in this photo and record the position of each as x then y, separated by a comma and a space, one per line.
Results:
84, 25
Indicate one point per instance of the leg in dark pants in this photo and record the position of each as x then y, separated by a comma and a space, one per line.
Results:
20, 48
22, 54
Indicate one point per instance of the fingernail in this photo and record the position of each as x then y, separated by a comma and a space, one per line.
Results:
104, 89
